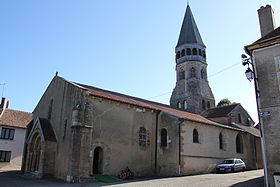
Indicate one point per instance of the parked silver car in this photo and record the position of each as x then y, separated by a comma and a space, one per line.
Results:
231, 165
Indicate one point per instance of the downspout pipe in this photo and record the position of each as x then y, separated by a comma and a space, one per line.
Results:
180, 121
156, 142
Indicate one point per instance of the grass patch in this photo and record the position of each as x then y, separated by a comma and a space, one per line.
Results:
107, 178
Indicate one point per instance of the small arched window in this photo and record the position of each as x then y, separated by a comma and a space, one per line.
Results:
181, 74
179, 105
202, 73
203, 105
189, 51
194, 51
239, 143
163, 138
195, 136
183, 53
142, 136
185, 105
221, 145
50, 109
192, 72
203, 54
178, 55
200, 52
208, 104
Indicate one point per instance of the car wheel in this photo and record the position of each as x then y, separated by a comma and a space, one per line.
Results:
243, 169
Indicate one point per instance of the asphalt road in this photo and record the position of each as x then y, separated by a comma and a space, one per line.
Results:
249, 178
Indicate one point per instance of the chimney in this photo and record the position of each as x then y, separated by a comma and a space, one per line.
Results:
3, 103
266, 19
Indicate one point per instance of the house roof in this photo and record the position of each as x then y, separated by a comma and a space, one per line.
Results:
222, 111
47, 130
148, 104
15, 118
272, 34
269, 39
189, 33
251, 130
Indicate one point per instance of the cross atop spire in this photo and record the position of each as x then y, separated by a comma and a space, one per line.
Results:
189, 32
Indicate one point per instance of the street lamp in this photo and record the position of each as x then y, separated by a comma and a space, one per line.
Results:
251, 75
247, 61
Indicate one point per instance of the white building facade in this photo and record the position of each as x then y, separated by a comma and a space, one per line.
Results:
13, 129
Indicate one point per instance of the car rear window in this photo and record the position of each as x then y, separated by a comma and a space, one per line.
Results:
228, 161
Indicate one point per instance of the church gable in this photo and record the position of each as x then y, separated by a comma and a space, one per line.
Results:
44, 128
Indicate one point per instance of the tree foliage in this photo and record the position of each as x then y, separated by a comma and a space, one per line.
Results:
224, 102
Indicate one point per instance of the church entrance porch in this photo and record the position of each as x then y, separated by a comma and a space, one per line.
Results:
34, 153
41, 149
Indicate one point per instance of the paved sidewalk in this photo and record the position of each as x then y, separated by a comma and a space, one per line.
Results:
247, 179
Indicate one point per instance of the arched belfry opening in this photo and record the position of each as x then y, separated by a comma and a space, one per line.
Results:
97, 164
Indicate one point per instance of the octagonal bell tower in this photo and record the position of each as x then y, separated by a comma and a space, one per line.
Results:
192, 91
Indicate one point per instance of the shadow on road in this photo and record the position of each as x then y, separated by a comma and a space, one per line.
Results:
256, 182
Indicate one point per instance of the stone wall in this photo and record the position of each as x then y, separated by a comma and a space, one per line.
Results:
168, 157
267, 63
62, 95
116, 129
203, 156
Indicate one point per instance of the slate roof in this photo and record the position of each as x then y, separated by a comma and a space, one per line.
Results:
15, 118
189, 33
47, 130
148, 104
222, 111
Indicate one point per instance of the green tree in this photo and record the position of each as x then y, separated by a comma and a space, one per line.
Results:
224, 102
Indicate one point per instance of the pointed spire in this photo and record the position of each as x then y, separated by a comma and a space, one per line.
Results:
189, 32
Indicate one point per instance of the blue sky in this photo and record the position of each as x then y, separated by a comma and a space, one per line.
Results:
124, 46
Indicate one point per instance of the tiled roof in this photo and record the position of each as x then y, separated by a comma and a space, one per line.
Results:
147, 104
47, 129
222, 111
15, 118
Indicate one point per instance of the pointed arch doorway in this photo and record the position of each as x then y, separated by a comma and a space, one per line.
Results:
97, 164
35, 153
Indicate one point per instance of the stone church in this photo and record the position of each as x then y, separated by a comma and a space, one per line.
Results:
80, 130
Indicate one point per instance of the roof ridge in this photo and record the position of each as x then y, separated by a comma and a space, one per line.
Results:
129, 96
17, 110
147, 104
226, 105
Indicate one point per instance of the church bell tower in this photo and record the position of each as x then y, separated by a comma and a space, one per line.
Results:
192, 91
